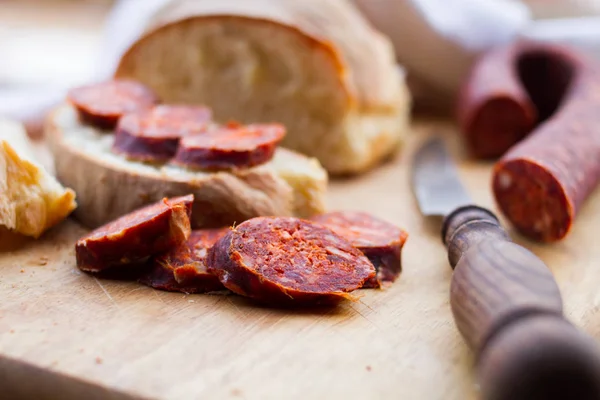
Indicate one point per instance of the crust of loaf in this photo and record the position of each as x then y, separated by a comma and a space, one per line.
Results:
31, 199
109, 186
370, 117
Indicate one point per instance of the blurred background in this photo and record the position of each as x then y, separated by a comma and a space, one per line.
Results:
47, 46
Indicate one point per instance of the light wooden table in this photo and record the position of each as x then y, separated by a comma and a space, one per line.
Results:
64, 334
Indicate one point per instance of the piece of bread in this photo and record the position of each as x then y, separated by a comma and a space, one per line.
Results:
31, 199
109, 186
316, 66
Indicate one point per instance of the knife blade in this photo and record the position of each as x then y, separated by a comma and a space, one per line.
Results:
504, 299
436, 182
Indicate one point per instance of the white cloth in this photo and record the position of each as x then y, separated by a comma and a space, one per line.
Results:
437, 40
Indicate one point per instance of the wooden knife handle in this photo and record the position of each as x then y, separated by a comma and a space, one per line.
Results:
508, 307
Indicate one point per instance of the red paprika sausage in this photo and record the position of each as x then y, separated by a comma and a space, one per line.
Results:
233, 146
284, 261
183, 268
551, 94
102, 104
136, 236
379, 240
154, 134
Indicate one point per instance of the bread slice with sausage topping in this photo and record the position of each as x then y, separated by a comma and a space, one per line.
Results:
108, 185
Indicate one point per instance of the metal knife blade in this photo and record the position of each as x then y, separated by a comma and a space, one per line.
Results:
435, 180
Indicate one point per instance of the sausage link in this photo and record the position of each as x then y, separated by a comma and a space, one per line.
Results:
541, 182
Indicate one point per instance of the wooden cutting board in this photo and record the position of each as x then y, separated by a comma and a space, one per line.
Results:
67, 335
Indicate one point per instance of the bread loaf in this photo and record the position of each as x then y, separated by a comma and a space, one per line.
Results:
316, 66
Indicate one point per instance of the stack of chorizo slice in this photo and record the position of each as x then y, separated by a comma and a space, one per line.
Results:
149, 131
279, 261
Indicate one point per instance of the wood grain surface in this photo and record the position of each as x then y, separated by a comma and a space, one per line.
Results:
64, 334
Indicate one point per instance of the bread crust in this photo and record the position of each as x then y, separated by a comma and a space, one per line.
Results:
107, 191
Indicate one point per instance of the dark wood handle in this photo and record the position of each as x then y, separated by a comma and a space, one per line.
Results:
508, 307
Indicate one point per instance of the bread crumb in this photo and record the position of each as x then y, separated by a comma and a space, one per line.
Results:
22, 271
43, 260
98, 360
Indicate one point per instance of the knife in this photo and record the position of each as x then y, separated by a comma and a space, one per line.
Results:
504, 299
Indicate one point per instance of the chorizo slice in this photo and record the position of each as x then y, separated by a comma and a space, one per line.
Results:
377, 239
102, 104
288, 261
183, 268
153, 134
134, 237
230, 147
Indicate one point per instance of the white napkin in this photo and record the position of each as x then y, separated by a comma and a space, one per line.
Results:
437, 40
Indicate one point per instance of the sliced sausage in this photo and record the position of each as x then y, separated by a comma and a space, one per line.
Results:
379, 240
233, 146
284, 261
154, 134
134, 237
102, 104
183, 268
536, 105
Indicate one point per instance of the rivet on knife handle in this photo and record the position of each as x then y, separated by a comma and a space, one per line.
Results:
508, 307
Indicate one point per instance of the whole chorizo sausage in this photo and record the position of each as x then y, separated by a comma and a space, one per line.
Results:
134, 237
379, 240
537, 106
102, 104
183, 268
288, 261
